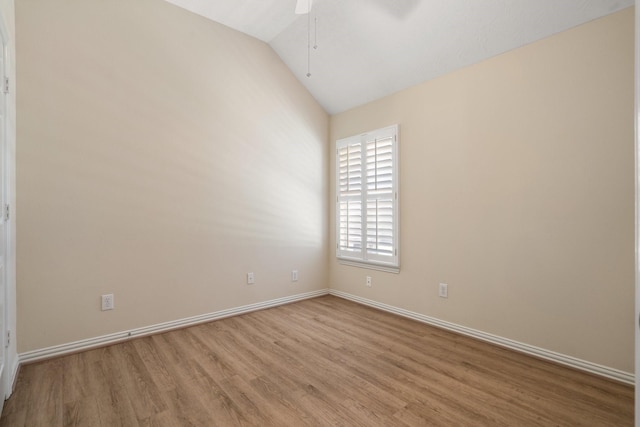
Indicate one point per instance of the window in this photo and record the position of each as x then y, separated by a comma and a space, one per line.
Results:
367, 199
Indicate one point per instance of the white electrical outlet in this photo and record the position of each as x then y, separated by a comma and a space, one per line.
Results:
250, 279
294, 275
368, 281
443, 290
107, 302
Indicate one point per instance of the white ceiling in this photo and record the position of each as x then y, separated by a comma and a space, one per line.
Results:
368, 49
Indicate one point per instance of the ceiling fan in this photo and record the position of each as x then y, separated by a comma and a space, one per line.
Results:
303, 6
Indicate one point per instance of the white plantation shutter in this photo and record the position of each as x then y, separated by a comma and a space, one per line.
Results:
367, 197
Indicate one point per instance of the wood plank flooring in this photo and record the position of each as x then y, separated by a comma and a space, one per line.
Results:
320, 362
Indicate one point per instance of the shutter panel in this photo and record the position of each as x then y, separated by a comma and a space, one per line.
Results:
350, 200
380, 227
380, 198
350, 172
379, 166
350, 226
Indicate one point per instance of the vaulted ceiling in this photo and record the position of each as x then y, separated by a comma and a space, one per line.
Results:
367, 49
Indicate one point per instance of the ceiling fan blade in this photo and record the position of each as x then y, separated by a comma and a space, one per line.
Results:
303, 6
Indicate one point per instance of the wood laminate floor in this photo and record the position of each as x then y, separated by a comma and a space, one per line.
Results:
320, 362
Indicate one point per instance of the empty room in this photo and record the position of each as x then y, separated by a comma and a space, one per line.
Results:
327, 212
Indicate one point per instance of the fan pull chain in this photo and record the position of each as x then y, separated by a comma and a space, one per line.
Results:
309, 44
315, 29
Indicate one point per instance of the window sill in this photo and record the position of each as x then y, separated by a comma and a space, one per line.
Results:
379, 267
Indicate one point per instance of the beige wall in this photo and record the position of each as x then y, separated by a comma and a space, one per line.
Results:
517, 191
160, 157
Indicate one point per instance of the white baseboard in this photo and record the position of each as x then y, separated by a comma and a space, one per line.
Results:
86, 344
583, 365
13, 378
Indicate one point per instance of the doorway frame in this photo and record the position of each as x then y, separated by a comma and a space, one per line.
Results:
637, 212
7, 339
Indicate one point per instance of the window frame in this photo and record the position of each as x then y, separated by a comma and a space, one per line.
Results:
350, 255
